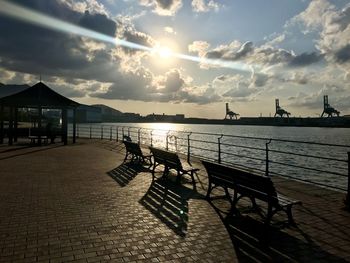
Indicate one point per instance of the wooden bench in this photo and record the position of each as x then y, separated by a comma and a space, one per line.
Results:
134, 150
248, 184
171, 160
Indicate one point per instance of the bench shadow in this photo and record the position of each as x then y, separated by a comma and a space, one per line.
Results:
254, 242
168, 201
126, 172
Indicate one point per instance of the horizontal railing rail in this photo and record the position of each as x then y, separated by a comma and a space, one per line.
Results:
282, 157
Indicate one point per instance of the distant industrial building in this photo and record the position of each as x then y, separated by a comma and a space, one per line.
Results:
165, 118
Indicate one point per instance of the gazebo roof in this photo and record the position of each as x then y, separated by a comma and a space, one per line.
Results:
37, 95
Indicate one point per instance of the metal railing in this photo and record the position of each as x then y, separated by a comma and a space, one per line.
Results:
322, 164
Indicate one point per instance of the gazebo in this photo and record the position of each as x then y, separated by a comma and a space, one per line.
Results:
39, 97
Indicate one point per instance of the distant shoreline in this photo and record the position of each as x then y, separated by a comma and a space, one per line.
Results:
331, 122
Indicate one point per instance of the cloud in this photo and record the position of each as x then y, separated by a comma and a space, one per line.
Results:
169, 30
333, 27
305, 59
163, 7
202, 6
343, 54
174, 82
99, 23
315, 100
263, 56
81, 6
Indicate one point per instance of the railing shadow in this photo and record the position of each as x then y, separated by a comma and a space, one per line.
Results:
168, 201
126, 172
22, 148
255, 242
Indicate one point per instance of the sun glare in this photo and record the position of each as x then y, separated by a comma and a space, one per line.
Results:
164, 52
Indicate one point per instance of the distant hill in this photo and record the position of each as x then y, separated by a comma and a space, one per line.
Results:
108, 114
7, 90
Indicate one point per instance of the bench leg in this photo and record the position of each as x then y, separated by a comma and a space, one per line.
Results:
269, 215
153, 171
210, 188
126, 157
290, 215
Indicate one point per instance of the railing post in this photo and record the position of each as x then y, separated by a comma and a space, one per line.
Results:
219, 148
116, 131
347, 198
267, 158
167, 141
129, 131
151, 139
90, 132
110, 133
122, 133
77, 130
102, 132
139, 135
188, 148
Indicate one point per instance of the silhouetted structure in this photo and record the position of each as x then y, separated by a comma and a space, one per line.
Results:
39, 97
328, 109
230, 113
279, 111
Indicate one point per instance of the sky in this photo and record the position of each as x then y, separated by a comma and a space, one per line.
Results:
245, 53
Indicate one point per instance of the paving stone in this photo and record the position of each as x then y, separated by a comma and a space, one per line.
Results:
80, 203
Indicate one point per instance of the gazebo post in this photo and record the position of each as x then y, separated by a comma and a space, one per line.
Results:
64, 125
1, 124
10, 129
39, 124
15, 124
74, 124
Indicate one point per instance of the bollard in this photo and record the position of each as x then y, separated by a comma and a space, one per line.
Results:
267, 158
219, 148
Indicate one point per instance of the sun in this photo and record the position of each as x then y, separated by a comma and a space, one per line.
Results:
164, 52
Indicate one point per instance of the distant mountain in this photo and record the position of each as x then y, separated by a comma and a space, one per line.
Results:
106, 110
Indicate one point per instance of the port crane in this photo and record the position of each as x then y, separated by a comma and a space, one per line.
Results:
230, 113
279, 110
328, 109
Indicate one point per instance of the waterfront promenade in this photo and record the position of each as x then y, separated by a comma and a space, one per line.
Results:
80, 203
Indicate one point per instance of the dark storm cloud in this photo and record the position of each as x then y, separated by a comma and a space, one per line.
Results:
343, 54
32, 49
99, 23
305, 59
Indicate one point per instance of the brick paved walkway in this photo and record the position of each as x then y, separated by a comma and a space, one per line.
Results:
79, 203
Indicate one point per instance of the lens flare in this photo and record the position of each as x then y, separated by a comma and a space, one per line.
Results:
39, 19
